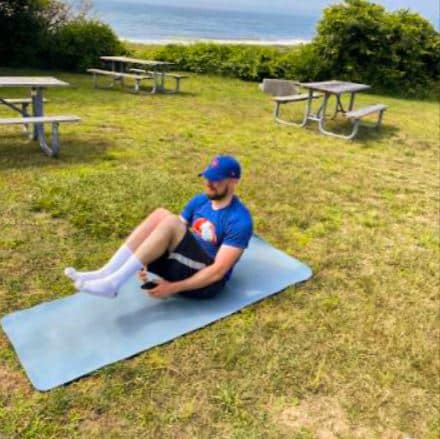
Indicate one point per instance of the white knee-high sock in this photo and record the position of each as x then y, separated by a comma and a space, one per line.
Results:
108, 286
116, 261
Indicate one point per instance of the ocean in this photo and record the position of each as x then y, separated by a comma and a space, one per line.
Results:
140, 22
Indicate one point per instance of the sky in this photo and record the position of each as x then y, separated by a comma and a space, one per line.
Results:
428, 8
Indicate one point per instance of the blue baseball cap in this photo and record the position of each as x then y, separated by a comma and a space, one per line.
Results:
222, 167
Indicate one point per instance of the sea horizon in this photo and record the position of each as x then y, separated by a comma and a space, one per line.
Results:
156, 24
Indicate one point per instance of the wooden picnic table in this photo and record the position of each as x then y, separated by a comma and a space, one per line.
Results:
122, 62
36, 84
330, 88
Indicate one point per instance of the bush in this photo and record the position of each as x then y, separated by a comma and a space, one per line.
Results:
245, 62
78, 45
361, 41
50, 33
301, 63
22, 32
251, 63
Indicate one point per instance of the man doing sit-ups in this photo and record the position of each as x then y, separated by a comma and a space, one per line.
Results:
193, 254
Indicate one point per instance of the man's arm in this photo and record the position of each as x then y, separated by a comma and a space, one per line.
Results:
224, 260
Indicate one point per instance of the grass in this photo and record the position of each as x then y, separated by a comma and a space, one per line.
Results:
351, 353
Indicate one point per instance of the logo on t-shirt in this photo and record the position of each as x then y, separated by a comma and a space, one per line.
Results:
205, 229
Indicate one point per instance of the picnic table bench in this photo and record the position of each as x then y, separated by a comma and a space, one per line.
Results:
118, 76
24, 103
54, 120
177, 76
121, 68
280, 100
357, 115
37, 119
284, 92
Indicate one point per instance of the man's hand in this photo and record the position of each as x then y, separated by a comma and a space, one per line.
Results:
163, 289
142, 275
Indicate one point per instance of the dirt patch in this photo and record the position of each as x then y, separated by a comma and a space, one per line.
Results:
326, 419
97, 426
11, 381
323, 416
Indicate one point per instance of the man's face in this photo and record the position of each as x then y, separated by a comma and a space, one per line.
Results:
217, 190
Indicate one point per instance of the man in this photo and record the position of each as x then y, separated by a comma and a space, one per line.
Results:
193, 254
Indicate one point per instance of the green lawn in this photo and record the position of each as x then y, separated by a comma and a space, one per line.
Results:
352, 353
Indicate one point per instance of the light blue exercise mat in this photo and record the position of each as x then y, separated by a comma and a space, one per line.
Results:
59, 341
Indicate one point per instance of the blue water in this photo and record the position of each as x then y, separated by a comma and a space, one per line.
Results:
151, 23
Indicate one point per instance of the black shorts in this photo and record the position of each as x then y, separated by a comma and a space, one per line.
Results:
186, 260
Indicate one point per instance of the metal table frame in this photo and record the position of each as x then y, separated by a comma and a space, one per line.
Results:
37, 86
159, 76
329, 88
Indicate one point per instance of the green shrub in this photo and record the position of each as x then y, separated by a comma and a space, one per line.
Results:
251, 63
22, 32
78, 45
361, 41
301, 63
51, 33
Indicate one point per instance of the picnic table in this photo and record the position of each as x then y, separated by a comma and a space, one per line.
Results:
37, 85
122, 64
337, 89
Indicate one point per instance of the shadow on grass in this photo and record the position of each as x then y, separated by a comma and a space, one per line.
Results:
128, 88
145, 92
365, 136
17, 152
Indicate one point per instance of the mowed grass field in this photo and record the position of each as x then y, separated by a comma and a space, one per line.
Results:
352, 353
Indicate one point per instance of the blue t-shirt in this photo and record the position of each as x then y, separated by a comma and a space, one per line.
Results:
231, 225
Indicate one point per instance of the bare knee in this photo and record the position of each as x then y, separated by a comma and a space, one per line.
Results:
176, 228
160, 213
144, 229
173, 221
156, 217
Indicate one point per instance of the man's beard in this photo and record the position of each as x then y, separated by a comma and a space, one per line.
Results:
217, 196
